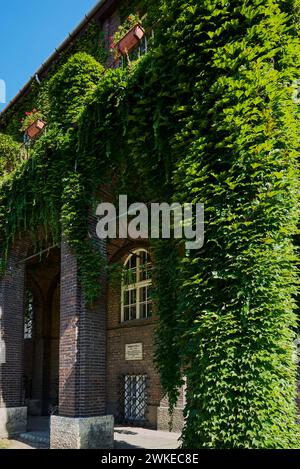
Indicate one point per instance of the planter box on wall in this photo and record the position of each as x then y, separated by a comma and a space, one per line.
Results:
36, 128
131, 39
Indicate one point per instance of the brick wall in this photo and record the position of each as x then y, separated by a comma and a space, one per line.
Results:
12, 328
109, 27
82, 377
119, 334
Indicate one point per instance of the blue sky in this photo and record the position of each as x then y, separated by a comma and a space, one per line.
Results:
29, 32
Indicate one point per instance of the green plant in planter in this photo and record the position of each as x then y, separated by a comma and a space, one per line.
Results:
131, 21
30, 118
123, 29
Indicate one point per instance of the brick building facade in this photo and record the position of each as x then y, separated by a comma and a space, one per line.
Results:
69, 361
85, 367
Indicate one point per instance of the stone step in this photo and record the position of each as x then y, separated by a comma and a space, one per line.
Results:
40, 438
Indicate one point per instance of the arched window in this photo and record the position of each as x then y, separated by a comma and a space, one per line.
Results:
136, 286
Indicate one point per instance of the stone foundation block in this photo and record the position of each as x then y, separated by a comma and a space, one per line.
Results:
82, 432
13, 421
164, 422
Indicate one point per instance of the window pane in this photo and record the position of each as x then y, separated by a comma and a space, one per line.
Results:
129, 277
132, 262
145, 266
137, 269
132, 296
143, 294
130, 273
126, 313
133, 312
126, 298
143, 257
145, 306
143, 310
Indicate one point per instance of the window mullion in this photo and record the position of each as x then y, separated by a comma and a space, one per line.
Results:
122, 304
138, 303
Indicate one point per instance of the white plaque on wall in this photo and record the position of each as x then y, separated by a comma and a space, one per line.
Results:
134, 352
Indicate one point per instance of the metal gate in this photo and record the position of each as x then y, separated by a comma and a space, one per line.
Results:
135, 399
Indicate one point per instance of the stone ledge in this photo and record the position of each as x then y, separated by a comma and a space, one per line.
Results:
13, 421
82, 432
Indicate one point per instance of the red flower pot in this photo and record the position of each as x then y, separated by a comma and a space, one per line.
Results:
36, 128
131, 39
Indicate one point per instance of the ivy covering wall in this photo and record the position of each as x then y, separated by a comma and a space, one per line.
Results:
205, 116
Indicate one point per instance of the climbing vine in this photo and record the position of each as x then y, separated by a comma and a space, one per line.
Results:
237, 152
9, 153
205, 116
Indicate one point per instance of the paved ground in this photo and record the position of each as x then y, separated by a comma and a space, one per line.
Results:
131, 437
13, 444
125, 437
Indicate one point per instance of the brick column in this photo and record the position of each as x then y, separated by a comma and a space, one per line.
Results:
13, 414
82, 422
82, 370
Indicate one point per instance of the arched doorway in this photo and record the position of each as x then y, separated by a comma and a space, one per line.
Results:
41, 334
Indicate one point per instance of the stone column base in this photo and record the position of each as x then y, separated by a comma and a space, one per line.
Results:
13, 421
164, 422
82, 432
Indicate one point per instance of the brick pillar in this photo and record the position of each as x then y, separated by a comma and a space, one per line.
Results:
13, 414
82, 422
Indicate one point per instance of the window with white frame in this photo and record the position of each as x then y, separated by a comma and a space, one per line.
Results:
136, 287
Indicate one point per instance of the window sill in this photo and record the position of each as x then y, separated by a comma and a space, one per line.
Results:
134, 323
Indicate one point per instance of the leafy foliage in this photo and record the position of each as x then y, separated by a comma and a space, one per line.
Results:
237, 152
75, 230
9, 153
69, 88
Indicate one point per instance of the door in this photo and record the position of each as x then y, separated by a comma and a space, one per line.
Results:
135, 404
